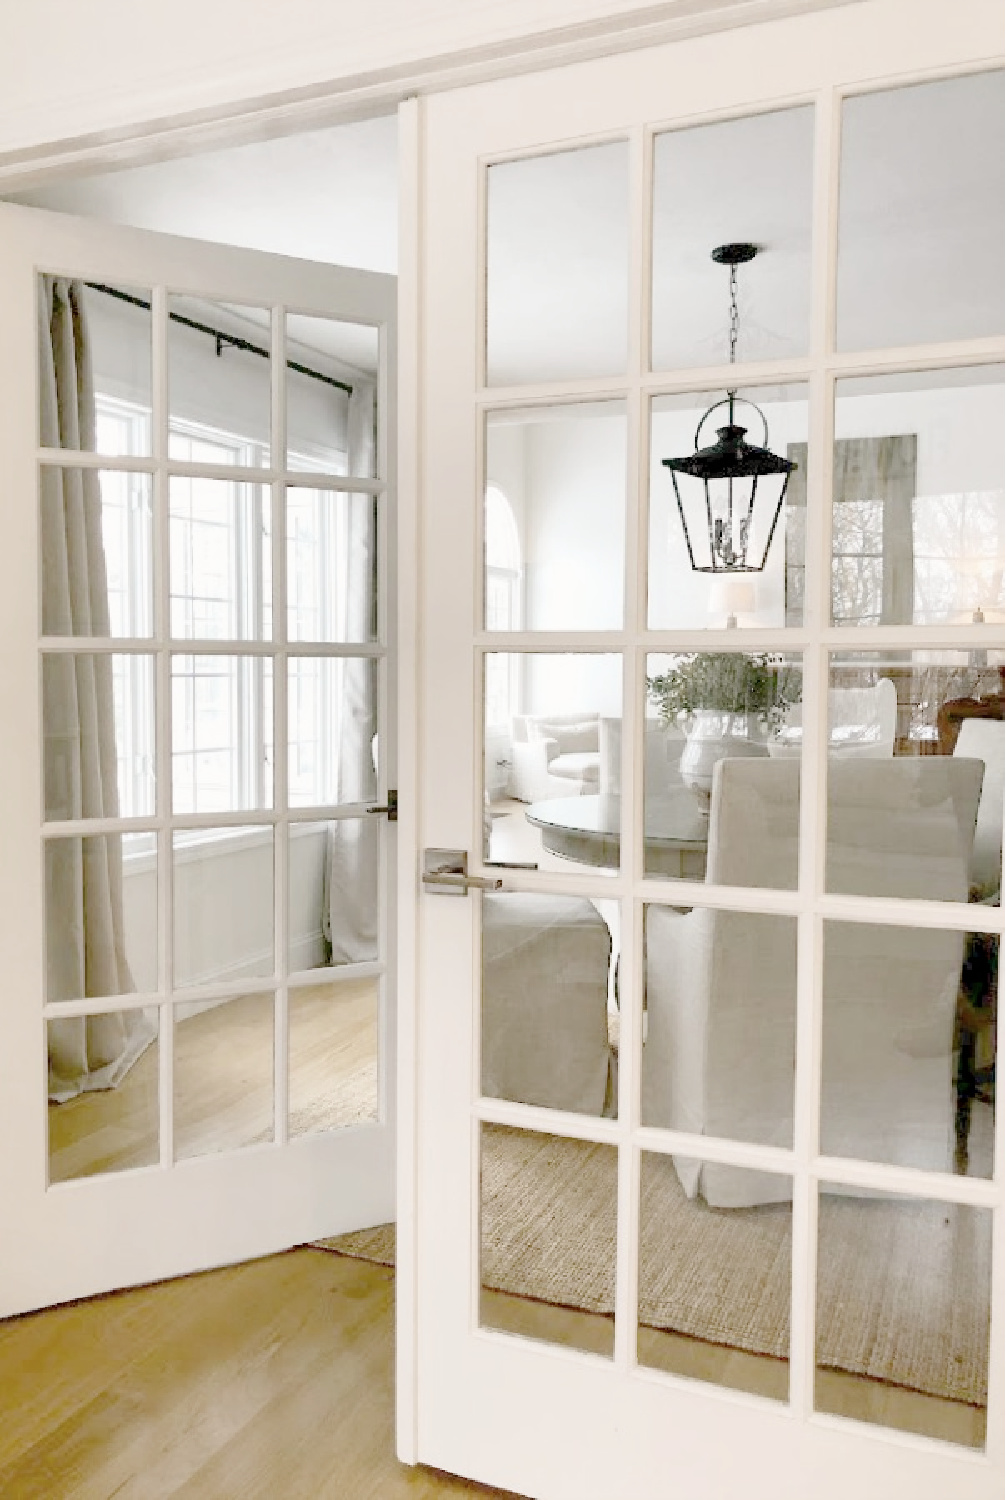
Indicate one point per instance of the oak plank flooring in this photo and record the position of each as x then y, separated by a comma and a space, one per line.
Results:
196, 1387
269, 1379
272, 1379
223, 1082
836, 1391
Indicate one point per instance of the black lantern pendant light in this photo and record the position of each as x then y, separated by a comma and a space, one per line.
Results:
718, 487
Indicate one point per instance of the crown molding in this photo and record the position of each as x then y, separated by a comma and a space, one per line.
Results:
355, 96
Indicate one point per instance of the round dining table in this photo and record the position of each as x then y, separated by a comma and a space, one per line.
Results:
587, 829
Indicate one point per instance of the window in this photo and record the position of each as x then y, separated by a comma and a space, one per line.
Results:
956, 546
221, 571
958, 555
317, 532
858, 563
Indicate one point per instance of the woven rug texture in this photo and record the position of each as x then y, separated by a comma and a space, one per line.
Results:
902, 1284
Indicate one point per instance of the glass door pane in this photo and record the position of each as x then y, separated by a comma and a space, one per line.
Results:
921, 166
764, 163
557, 242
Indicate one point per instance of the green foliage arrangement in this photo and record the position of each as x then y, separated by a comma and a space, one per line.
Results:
728, 681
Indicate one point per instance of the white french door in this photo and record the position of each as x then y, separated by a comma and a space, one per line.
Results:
198, 950
571, 331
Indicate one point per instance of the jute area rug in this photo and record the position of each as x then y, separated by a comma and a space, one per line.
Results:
902, 1285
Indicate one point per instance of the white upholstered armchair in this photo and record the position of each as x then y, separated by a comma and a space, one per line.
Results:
721, 986
554, 756
861, 722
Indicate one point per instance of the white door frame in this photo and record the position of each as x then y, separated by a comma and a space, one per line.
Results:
453, 1432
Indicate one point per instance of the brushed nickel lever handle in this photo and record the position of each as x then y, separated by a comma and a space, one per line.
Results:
445, 872
461, 883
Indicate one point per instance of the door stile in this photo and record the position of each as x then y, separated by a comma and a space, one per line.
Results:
813, 802
803, 1292
162, 720
280, 683
810, 937
406, 435
629, 1153
995, 1437
633, 705
824, 224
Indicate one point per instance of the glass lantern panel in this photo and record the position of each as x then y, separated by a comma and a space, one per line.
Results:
682, 529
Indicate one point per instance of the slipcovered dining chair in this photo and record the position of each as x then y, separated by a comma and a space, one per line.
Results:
721, 986
985, 740
545, 966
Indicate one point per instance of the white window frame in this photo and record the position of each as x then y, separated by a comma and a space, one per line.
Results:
252, 751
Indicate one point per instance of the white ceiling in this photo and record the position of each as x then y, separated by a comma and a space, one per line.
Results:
921, 236
329, 195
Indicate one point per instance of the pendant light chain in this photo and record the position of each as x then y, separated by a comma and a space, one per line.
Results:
735, 321
724, 529
735, 325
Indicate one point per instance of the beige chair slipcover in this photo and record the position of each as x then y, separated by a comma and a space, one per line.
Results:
721, 986
544, 1002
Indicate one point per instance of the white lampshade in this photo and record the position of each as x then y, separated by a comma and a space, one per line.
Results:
732, 597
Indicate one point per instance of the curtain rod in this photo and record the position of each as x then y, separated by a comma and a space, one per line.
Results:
228, 340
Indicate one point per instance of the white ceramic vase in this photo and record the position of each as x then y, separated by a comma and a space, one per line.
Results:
712, 735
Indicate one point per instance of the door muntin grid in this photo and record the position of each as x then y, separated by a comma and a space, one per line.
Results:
240, 770
822, 715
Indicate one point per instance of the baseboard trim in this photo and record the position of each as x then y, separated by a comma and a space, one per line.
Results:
308, 952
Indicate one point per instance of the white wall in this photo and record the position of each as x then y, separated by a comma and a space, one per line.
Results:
959, 427
506, 467
573, 684
575, 548
565, 477
223, 897
569, 476
575, 555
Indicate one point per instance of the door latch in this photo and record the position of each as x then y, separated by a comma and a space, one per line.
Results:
445, 873
390, 807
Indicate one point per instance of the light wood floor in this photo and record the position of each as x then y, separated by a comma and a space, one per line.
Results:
223, 1098
223, 1082
272, 1379
836, 1392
